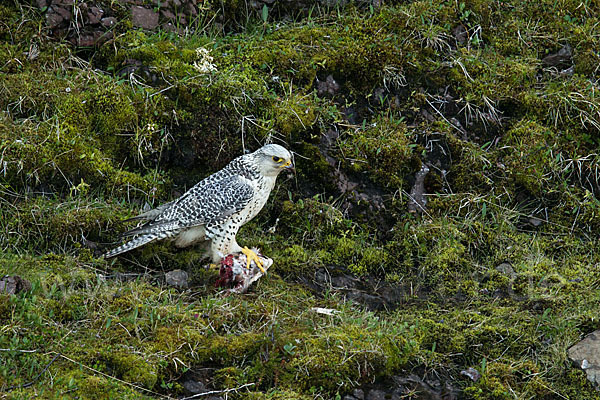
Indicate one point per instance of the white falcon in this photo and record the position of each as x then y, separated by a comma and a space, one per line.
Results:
216, 207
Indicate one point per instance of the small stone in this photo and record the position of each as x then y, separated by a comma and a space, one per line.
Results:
417, 201
535, 221
14, 284
42, 3
194, 387
586, 355
144, 18
53, 19
94, 15
506, 269
359, 394
471, 373
568, 72
376, 395
328, 86
102, 37
85, 41
562, 58
109, 21
177, 278
191, 9
66, 14
167, 14
460, 34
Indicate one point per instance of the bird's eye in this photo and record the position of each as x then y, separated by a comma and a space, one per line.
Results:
277, 159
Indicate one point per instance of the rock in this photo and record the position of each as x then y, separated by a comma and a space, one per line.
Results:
63, 12
86, 41
42, 3
194, 387
328, 86
471, 373
144, 18
535, 221
177, 278
506, 269
14, 284
359, 394
109, 21
376, 395
167, 14
418, 200
95, 15
460, 34
586, 355
560, 59
191, 9
53, 19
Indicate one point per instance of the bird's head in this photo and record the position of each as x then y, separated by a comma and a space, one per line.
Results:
273, 159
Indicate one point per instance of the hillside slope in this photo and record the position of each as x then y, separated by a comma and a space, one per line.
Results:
444, 214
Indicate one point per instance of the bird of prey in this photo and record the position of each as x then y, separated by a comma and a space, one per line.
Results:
216, 207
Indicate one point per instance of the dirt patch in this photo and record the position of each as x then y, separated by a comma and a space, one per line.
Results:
402, 387
373, 293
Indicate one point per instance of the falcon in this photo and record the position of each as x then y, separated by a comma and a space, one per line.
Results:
216, 207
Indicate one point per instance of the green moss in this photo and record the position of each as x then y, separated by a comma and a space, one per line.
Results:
82, 149
280, 394
69, 309
132, 368
4, 306
62, 224
293, 115
229, 377
94, 387
384, 150
326, 361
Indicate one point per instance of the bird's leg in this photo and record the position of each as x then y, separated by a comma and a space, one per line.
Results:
251, 256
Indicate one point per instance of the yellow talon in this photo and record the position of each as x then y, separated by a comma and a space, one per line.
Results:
214, 266
251, 256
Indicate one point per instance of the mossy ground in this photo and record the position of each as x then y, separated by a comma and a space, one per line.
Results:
89, 138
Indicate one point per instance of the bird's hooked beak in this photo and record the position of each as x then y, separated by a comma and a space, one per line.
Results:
289, 166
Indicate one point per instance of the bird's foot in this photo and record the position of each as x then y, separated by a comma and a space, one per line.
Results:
251, 256
213, 266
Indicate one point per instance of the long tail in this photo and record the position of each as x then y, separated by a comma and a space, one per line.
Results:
151, 214
133, 244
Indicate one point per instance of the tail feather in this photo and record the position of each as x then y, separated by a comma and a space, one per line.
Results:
153, 229
151, 214
132, 244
